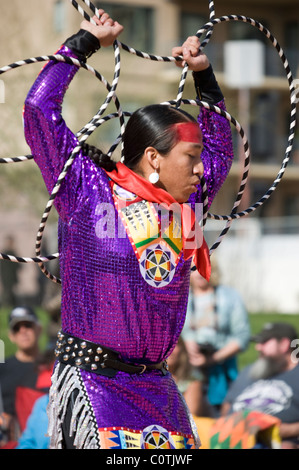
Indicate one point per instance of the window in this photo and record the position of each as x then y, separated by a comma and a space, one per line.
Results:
265, 136
238, 30
292, 40
137, 21
292, 34
59, 16
190, 23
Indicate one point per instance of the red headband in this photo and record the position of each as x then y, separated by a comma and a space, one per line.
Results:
189, 132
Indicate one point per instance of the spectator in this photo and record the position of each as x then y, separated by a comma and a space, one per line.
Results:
189, 380
216, 330
9, 274
271, 384
21, 368
35, 435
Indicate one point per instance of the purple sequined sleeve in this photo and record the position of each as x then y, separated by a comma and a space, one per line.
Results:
46, 133
217, 155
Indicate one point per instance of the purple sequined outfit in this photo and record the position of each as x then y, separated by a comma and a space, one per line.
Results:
105, 299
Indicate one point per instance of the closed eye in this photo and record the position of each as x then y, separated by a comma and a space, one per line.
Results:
194, 156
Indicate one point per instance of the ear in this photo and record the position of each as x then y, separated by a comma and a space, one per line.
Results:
284, 345
152, 157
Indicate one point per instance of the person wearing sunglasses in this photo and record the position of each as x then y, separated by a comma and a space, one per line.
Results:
20, 369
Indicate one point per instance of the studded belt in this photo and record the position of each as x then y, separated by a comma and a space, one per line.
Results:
95, 358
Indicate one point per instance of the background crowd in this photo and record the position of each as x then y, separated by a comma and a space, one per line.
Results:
204, 365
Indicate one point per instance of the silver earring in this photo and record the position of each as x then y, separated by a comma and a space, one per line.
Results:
154, 177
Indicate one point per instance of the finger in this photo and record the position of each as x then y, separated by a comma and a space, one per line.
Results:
193, 46
188, 58
186, 54
193, 51
109, 22
117, 28
105, 17
96, 20
193, 40
176, 51
180, 63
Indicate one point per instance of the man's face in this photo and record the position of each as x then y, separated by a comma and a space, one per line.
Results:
25, 335
272, 359
273, 348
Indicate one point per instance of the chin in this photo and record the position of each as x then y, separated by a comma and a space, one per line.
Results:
180, 199
265, 367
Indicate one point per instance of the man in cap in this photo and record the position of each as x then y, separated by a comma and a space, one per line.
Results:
271, 384
20, 370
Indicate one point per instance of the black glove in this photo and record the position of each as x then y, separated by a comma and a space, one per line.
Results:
83, 44
206, 86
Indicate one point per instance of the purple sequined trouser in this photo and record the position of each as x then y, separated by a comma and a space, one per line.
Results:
106, 298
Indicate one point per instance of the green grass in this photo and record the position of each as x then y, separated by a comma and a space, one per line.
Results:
257, 320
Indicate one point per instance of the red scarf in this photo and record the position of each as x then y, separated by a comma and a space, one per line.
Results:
191, 230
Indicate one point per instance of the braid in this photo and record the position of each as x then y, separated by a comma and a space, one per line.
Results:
98, 157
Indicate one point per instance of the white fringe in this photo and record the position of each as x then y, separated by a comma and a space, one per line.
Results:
83, 424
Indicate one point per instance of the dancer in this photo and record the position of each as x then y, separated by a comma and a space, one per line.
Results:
125, 278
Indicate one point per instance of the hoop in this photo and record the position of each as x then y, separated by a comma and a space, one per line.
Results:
244, 179
291, 136
98, 120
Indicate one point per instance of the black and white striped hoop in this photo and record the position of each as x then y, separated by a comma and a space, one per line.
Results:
292, 92
98, 119
244, 178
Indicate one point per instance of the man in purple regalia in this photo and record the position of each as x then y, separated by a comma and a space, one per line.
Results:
124, 297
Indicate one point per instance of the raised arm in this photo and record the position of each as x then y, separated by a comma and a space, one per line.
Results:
217, 155
50, 140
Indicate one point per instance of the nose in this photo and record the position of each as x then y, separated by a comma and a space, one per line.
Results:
198, 169
23, 328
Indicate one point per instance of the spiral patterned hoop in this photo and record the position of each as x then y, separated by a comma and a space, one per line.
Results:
291, 136
240, 130
97, 120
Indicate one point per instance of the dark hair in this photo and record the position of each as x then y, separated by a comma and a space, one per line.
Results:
147, 127
98, 157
